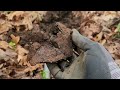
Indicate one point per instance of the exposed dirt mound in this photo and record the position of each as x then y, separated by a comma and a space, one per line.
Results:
49, 40
58, 46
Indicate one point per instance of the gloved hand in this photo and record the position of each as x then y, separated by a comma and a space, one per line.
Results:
94, 63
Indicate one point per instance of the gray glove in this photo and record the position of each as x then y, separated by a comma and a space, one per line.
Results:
94, 63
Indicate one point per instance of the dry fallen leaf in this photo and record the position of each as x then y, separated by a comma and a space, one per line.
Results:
23, 60
2, 54
102, 42
33, 15
111, 49
89, 29
98, 37
15, 39
118, 62
4, 27
21, 53
7, 55
28, 23
16, 13
114, 49
11, 53
3, 44
105, 16
25, 18
31, 68
15, 21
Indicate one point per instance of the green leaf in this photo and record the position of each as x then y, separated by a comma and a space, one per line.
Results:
43, 74
12, 44
118, 27
117, 35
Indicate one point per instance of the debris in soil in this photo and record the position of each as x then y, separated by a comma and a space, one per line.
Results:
71, 19
57, 47
53, 43
13, 57
54, 16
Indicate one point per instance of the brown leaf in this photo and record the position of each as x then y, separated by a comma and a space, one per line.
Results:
7, 55
99, 37
15, 39
2, 54
28, 23
37, 76
23, 60
11, 53
27, 18
16, 13
90, 29
31, 16
103, 41
3, 44
111, 49
4, 27
31, 68
21, 53
118, 62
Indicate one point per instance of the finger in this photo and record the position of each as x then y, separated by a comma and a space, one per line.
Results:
81, 41
55, 70
77, 38
76, 70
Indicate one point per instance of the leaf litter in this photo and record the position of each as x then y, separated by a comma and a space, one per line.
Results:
20, 38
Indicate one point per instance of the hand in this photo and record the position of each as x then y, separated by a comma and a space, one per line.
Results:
95, 63
82, 42
76, 70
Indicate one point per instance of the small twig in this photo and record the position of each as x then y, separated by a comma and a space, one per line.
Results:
76, 52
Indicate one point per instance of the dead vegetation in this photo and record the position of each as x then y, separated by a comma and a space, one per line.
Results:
28, 38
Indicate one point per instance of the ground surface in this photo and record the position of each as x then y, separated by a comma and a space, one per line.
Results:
29, 38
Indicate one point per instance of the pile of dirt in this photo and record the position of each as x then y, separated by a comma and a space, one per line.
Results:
56, 44
48, 41
29, 39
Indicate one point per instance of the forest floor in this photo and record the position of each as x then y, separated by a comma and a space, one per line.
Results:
28, 39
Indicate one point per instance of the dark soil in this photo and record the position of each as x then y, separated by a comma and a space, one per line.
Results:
50, 40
